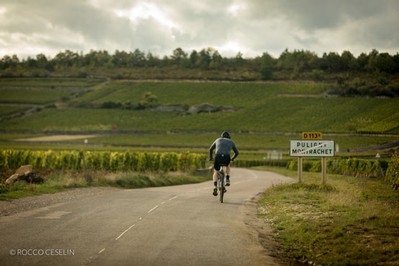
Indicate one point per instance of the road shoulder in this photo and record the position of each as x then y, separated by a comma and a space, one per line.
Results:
267, 251
11, 207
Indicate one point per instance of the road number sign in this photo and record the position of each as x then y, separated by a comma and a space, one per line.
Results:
312, 135
312, 148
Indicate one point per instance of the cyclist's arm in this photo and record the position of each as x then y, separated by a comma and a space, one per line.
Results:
211, 149
236, 152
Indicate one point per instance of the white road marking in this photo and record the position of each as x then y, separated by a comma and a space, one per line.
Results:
153, 209
54, 215
173, 198
101, 251
141, 218
124, 232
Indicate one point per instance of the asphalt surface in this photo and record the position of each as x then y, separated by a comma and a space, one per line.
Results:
179, 225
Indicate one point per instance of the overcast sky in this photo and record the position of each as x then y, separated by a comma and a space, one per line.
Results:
252, 27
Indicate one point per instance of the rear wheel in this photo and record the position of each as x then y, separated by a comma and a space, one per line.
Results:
221, 186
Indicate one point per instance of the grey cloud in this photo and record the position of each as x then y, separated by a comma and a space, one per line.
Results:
260, 26
316, 14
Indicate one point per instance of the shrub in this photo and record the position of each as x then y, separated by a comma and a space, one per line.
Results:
392, 174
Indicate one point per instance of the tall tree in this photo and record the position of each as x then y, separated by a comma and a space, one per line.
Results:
217, 60
362, 61
385, 63
66, 59
179, 57
138, 58
120, 59
194, 58
266, 66
348, 61
153, 60
205, 58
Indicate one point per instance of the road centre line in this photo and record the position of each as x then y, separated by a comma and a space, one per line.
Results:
124, 232
153, 209
173, 198
101, 251
141, 218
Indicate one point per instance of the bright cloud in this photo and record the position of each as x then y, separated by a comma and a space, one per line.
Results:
231, 48
235, 8
230, 26
144, 11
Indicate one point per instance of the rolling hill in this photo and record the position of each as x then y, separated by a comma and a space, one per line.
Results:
248, 109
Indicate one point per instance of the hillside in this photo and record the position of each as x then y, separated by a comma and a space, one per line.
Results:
260, 111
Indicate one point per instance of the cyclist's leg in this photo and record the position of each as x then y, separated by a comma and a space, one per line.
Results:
228, 173
215, 176
215, 182
216, 168
228, 170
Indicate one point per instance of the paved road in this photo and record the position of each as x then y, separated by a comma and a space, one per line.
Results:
179, 225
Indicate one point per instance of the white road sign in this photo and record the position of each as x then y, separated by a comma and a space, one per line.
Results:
312, 148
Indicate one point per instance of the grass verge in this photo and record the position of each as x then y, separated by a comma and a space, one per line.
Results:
349, 221
61, 180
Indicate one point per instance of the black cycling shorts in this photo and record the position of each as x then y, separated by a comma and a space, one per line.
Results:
221, 160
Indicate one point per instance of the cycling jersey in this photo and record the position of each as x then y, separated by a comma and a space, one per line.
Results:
223, 146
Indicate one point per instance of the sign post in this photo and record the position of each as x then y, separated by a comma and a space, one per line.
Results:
312, 146
300, 169
323, 170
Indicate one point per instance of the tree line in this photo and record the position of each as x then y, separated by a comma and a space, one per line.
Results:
211, 59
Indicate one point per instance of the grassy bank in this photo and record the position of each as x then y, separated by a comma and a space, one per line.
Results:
349, 221
61, 180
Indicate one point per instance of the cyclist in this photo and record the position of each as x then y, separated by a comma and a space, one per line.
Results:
223, 146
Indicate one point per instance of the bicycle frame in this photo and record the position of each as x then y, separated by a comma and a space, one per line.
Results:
220, 182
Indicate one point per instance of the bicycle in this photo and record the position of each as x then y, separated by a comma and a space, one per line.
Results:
220, 182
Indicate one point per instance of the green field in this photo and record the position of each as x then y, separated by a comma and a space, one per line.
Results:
260, 115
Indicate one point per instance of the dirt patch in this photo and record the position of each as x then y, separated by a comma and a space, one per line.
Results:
56, 138
271, 252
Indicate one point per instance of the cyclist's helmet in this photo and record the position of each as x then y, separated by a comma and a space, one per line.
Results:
226, 135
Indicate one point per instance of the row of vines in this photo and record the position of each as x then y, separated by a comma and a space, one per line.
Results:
377, 168
349, 167
100, 160
172, 161
372, 168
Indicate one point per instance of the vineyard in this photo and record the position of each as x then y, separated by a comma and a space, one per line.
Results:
360, 168
101, 160
174, 161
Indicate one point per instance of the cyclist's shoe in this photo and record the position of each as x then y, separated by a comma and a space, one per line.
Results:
227, 182
215, 191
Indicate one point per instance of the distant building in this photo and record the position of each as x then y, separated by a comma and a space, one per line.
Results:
274, 155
